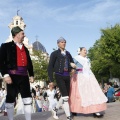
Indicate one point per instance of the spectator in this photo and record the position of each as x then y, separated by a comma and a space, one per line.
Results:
105, 86
105, 91
115, 85
110, 92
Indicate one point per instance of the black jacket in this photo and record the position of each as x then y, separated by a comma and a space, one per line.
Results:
56, 63
8, 58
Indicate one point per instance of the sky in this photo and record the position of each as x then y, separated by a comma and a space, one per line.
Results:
78, 21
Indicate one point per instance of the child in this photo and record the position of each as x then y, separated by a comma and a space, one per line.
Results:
51, 95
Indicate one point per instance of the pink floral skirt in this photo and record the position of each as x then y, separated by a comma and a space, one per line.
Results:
75, 100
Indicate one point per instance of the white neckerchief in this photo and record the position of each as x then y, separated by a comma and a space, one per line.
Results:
19, 45
63, 52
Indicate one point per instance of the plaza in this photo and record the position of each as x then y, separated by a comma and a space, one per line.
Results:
112, 113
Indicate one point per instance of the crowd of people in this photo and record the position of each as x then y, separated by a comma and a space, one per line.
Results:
77, 90
111, 90
44, 99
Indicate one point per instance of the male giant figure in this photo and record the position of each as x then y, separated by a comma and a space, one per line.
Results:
59, 63
15, 64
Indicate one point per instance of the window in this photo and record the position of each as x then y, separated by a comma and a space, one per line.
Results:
16, 22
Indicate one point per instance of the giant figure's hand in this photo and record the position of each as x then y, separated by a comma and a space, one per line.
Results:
8, 80
73, 72
73, 65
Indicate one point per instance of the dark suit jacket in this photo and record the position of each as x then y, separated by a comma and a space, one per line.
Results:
56, 63
8, 58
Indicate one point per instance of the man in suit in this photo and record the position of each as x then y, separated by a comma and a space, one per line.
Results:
60, 64
15, 64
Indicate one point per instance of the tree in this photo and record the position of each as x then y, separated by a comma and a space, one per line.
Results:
40, 64
105, 53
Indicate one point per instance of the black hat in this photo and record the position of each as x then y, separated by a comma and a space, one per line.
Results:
16, 30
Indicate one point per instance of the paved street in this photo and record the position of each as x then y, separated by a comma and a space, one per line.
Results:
112, 113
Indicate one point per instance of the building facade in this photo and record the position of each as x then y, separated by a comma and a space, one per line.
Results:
18, 21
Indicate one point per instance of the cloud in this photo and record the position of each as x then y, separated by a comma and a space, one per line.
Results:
90, 11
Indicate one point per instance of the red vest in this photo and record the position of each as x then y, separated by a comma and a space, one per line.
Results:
21, 56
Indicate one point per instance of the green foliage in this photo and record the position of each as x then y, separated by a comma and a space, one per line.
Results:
105, 54
40, 64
